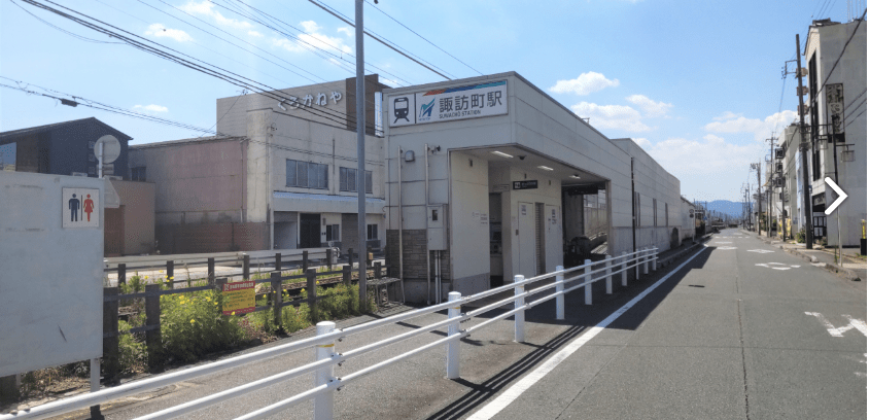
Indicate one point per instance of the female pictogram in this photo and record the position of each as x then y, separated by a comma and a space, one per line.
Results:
88, 206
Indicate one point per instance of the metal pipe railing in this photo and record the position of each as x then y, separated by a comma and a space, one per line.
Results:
327, 358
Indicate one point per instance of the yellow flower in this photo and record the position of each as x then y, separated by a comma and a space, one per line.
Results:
303, 290
146, 277
208, 299
233, 313
193, 321
171, 277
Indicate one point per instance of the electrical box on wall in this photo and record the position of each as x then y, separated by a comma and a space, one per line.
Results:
437, 234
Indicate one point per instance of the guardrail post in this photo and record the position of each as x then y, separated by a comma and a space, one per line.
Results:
246, 267
324, 403
95, 386
152, 319
655, 259
170, 271
305, 261
345, 275
645, 261
586, 278
607, 272
111, 360
277, 297
453, 329
211, 271
122, 274
329, 258
560, 298
624, 269
278, 261
311, 277
519, 317
637, 259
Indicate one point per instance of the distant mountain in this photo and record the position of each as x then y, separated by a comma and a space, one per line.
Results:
731, 208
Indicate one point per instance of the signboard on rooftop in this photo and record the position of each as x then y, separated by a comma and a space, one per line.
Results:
449, 104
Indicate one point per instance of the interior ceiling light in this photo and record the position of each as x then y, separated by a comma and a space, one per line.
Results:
502, 154
546, 168
575, 176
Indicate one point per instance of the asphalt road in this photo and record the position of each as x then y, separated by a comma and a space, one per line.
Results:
739, 333
725, 336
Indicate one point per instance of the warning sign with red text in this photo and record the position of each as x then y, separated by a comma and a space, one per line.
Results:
239, 298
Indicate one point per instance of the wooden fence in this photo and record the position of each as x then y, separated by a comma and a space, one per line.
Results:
151, 328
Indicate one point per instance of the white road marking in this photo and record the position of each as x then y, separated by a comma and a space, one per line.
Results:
726, 248
517, 389
857, 324
777, 266
760, 251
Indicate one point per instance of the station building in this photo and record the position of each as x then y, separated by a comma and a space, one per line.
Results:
282, 174
489, 177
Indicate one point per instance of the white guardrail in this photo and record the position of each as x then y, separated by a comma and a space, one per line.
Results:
326, 357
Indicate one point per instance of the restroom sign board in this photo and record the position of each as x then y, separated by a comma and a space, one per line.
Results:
81, 208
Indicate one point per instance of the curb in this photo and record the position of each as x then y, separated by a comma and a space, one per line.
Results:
838, 271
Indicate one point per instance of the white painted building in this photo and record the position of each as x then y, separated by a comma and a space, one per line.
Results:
838, 103
282, 175
484, 177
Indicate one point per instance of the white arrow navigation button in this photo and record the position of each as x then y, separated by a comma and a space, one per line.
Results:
841, 196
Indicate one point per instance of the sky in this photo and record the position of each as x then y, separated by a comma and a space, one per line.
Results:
698, 84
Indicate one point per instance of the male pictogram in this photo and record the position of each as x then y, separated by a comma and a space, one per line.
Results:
89, 207
74, 208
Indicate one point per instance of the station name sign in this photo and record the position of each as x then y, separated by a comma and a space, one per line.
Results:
526, 185
450, 104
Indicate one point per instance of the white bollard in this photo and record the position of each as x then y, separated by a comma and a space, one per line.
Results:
324, 403
560, 299
453, 329
519, 317
624, 269
607, 272
588, 288
95, 386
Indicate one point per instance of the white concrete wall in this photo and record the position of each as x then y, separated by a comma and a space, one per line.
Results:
826, 43
469, 238
51, 282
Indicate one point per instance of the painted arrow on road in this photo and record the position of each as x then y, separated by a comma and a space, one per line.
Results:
841, 196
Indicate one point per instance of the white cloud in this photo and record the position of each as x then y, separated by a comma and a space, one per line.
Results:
311, 40
736, 123
255, 33
711, 155
347, 31
643, 142
160, 31
618, 117
152, 108
584, 84
205, 8
650, 107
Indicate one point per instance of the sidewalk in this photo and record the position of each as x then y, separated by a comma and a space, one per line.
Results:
853, 268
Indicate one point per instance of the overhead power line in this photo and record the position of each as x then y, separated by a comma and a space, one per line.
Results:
422, 37
75, 100
72, 34
196, 64
388, 44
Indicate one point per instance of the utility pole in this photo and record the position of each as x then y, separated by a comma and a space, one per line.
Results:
808, 212
361, 154
770, 190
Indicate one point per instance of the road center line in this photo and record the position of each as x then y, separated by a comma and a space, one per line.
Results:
506, 398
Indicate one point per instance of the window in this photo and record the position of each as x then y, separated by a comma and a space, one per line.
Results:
332, 233
137, 174
307, 175
372, 232
347, 180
